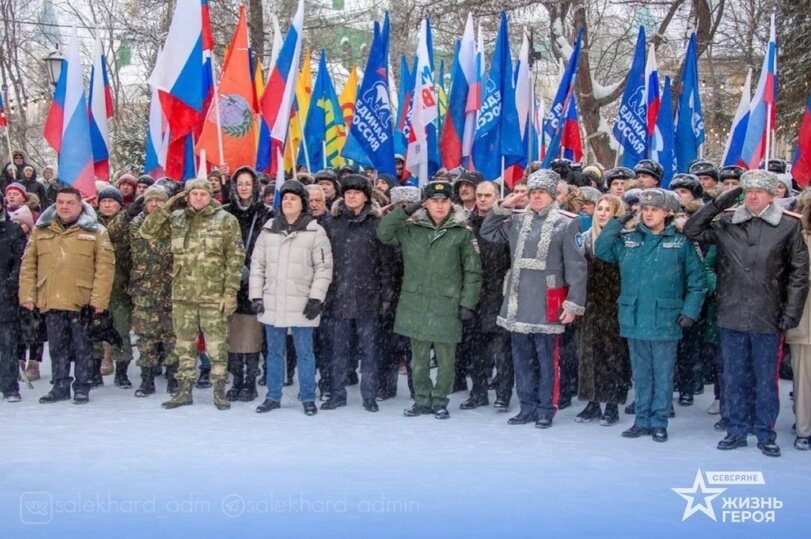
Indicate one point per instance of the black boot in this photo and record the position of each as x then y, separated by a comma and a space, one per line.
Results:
203, 380
236, 366
121, 380
262, 373
95, 380
55, 395
611, 415
248, 392
590, 412
171, 381
147, 382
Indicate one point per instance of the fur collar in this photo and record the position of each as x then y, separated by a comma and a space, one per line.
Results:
771, 214
372, 209
457, 218
88, 220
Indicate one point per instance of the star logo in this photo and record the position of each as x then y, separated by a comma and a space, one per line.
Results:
699, 490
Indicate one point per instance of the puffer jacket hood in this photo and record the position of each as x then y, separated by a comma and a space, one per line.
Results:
88, 220
233, 197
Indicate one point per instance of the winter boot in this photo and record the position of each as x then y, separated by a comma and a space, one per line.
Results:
147, 382
590, 412
96, 379
171, 381
220, 401
107, 367
236, 366
181, 398
203, 380
121, 380
611, 415
248, 392
32, 371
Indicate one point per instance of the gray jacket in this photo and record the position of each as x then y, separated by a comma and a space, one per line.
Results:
545, 255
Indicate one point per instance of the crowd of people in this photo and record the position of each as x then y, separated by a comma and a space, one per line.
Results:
579, 284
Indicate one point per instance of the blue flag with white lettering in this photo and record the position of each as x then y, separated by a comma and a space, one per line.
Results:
554, 121
497, 128
370, 140
690, 121
630, 130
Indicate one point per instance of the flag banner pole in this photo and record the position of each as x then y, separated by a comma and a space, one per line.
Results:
503, 179
292, 155
304, 148
768, 136
217, 110
324, 152
531, 119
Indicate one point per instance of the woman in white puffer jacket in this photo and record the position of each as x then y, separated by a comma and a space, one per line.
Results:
291, 270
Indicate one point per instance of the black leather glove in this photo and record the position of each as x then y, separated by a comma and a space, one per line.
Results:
385, 308
623, 219
727, 199
411, 208
257, 306
465, 314
685, 321
134, 209
787, 322
312, 309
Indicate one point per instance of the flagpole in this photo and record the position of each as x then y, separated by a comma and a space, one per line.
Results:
324, 152
768, 136
304, 146
503, 179
292, 155
217, 110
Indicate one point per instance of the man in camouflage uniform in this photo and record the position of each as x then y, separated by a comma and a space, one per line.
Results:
206, 244
151, 292
111, 214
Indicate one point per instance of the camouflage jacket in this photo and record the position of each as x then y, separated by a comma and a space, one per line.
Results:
207, 250
118, 230
151, 273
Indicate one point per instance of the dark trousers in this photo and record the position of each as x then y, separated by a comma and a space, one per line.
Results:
536, 359
652, 364
68, 342
322, 348
757, 352
492, 348
9, 335
568, 362
366, 332
688, 360
34, 351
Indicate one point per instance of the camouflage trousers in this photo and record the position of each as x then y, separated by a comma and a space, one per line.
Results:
121, 311
153, 325
188, 319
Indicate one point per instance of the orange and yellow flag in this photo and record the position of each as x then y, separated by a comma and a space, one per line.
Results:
304, 91
235, 106
348, 96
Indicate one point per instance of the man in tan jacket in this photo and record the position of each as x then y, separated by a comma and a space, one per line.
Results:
68, 264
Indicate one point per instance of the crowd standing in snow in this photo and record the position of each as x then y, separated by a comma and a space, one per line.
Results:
578, 283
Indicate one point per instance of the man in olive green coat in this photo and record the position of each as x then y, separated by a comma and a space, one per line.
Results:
207, 252
441, 284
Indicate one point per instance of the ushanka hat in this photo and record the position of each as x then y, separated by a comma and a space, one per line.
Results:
759, 179
544, 180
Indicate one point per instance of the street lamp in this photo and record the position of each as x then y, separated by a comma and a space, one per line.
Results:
54, 62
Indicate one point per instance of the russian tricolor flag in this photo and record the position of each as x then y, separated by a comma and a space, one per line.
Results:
571, 141
457, 117
3, 119
737, 132
277, 99
67, 129
182, 76
157, 139
762, 110
100, 112
653, 98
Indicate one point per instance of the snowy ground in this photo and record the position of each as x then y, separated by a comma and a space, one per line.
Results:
123, 467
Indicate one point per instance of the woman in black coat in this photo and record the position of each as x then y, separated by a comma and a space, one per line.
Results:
245, 333
604, 373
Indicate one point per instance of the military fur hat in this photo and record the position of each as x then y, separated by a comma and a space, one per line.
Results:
198, 183
590, 194
405, 193
544, 180
658, 198
759, 179
438, 189
156, 192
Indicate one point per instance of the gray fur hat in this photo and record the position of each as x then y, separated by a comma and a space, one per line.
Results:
406, 193
590, 194
659, 198
544, 180
760, 179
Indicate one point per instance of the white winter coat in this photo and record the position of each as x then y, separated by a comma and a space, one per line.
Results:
287, 269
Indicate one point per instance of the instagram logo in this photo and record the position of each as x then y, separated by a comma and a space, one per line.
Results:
36, 507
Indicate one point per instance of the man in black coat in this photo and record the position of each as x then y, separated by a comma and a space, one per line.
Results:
360, 289
12, 245
486, 343
762, 287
